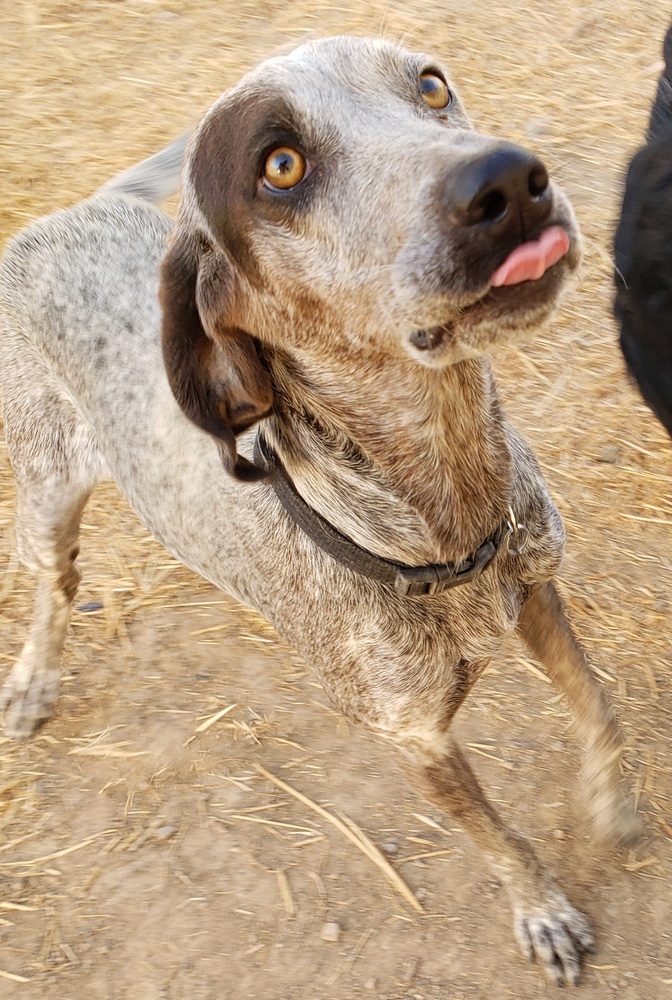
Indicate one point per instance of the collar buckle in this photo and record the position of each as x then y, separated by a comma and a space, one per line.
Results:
417, 581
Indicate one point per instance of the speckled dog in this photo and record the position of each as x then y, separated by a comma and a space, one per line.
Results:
347, 248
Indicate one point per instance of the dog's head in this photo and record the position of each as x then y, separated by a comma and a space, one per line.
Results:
643, 256
337, 199
643, 277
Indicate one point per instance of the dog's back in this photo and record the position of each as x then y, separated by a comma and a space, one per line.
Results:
57, 263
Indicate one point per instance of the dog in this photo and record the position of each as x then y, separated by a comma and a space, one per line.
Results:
290, 385
643, 256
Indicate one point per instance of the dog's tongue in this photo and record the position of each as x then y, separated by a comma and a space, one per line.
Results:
530, 260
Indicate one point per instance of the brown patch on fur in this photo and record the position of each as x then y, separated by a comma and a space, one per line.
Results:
224, 168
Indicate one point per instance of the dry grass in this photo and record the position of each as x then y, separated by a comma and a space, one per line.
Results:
134, 768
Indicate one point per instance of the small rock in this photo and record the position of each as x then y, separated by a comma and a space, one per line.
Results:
611, 454
371, 984
559, 834
331, 931
420, 894
391, 847
537, 128
165, 832
410, 971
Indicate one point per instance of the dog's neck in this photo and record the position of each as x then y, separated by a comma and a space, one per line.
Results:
411, 463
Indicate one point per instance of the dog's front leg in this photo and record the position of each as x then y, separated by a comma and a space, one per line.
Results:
547, 927
48, 520
29, 694
544, 627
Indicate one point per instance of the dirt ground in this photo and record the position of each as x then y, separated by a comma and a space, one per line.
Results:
143, 855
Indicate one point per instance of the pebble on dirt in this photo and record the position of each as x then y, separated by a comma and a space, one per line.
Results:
331, 931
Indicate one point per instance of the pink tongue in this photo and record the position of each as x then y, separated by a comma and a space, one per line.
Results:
530, 260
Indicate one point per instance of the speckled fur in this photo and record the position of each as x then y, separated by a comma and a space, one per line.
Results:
408, 453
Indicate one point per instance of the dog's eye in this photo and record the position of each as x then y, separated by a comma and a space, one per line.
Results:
284, 168
435, 91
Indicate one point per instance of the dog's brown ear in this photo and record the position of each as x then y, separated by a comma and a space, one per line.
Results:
213, 369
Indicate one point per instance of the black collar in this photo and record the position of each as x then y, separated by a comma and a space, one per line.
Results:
408, 581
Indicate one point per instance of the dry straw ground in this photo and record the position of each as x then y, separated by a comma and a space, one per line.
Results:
144, 854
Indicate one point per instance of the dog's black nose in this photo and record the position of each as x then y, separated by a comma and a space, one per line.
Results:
505, 191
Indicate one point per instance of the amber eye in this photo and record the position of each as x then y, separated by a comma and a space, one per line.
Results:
284, 168
434, 91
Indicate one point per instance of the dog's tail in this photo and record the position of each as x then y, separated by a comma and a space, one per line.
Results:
154, 179
660, 120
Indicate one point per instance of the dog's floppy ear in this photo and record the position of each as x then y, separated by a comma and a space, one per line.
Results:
660, 118
213, 369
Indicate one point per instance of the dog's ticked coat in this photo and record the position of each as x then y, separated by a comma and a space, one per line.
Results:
330, 275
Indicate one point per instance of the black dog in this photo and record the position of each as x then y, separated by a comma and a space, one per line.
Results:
643, 251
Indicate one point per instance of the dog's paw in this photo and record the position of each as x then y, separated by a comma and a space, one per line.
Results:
555, 935
27, 699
